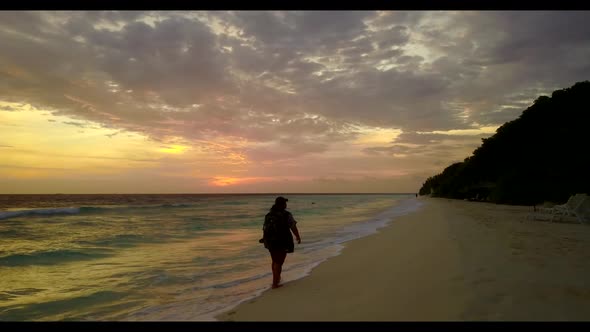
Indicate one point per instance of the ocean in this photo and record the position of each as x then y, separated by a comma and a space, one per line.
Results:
163, 257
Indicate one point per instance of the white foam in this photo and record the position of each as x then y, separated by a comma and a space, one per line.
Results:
313, 254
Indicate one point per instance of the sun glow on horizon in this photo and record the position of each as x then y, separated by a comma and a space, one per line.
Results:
224, 181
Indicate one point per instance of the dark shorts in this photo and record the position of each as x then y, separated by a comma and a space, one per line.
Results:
285, 246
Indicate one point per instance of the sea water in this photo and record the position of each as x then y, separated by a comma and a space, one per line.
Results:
163, 257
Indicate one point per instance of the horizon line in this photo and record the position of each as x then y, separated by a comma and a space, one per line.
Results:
267, 193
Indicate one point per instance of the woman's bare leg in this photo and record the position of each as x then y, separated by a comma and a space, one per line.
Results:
278, 258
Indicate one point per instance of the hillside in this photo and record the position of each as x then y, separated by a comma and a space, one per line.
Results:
543, 155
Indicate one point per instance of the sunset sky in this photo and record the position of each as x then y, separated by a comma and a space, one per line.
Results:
220, 102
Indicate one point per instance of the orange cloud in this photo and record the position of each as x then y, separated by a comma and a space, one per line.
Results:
223, 181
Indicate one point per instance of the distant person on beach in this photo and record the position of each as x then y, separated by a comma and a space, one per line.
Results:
277, 238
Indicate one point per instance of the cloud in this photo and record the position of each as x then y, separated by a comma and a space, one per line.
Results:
8, 108
285, 150
76, 124
428, 150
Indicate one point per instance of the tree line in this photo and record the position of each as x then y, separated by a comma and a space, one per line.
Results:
543, 155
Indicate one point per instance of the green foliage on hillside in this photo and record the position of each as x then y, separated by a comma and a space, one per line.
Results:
544, 155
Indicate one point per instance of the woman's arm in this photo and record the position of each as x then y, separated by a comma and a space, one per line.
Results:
296, 232
293, 226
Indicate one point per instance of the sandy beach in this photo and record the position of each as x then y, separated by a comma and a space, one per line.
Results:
451, 260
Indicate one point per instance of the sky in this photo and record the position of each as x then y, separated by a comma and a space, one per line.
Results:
267, 101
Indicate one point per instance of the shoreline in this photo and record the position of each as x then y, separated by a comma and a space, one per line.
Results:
449, 260
393, 212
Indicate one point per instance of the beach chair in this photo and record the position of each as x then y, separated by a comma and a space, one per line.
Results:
582, 210
567, 210
563, 208
561, 213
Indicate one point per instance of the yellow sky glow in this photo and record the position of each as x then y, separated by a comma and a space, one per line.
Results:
460, 132
37, 145
375, 136
174, 149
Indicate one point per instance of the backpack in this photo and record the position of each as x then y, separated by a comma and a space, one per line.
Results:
276, 229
